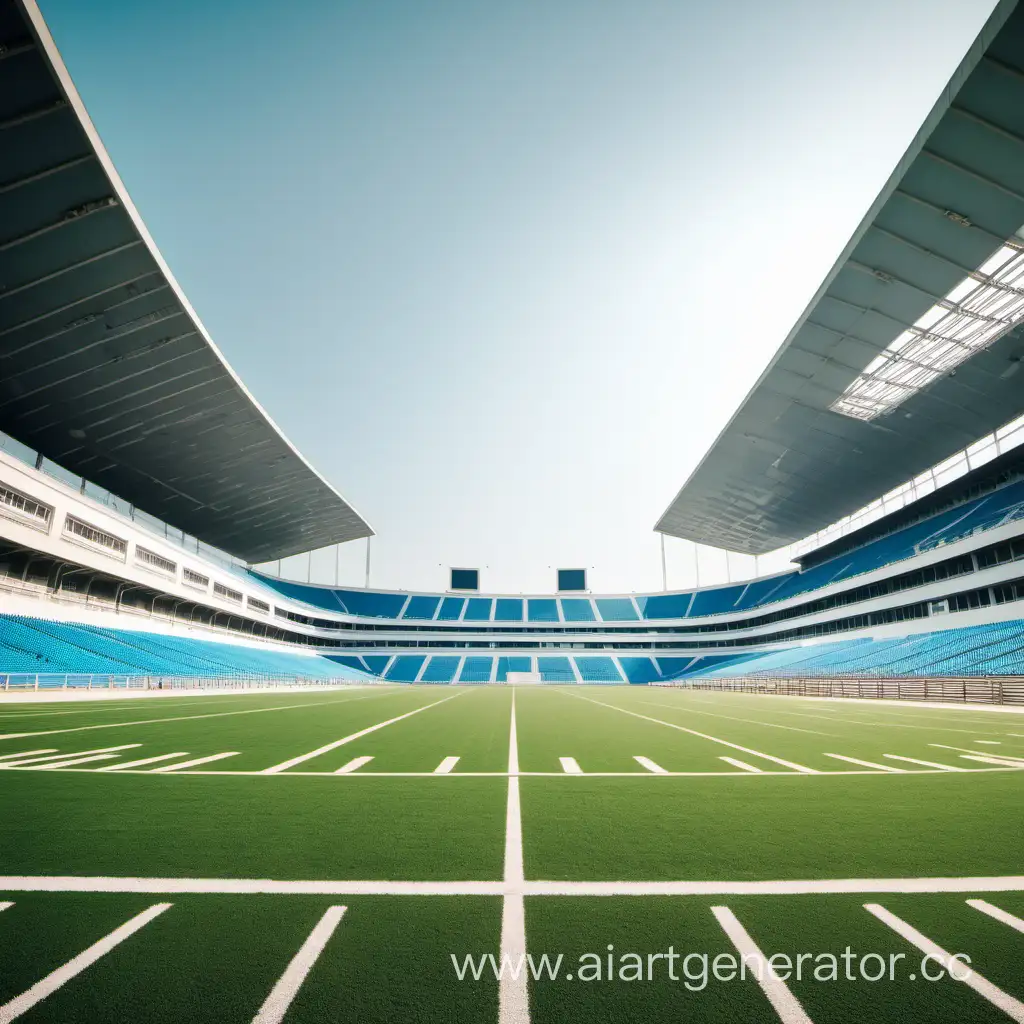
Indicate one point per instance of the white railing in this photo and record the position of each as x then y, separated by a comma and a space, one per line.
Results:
22, 682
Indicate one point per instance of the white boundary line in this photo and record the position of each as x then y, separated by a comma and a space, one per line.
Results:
513, 994
53, 981
704, 736
328, 747
998, 913
288, 985
381, 887
785, 1004
1012, 1007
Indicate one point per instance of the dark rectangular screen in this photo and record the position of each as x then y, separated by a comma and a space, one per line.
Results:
465, 579
572, 579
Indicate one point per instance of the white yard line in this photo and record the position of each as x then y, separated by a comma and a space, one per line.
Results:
998, 913
985, 753
704, 736
53, 981
70, 764
67, 754
685, 706
288, 985
927, 764
868, 764
194, 761
26, 753
354, 765
570, 766
328, 747
380, 887
785, 1004
445, 767
742, 764
6, 905
513, 996
993, 759
141, 761
651, 766
1012, 1007
190, 718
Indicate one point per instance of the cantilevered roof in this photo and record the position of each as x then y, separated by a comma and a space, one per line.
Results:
104, 366
890, 338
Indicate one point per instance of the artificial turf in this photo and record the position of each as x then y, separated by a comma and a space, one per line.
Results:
215, 957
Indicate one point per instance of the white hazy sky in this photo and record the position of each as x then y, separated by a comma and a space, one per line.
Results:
503, 271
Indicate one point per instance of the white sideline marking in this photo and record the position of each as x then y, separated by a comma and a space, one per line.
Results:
1013, 1008
53, 981
353, 765
141, 762
513, 996
704, 736
381, 887
651, 766
570, 766
288, 985
446, 766
991, 743
867, 764
5, 905
742, 764
984, 753
72, 762
27, 753
69, 753
195, 760
189, 718
291, 762
785, 1004
927, 764
998, 913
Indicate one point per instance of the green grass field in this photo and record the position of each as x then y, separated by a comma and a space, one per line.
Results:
453, 821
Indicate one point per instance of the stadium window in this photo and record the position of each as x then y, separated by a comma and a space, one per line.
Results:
24, 508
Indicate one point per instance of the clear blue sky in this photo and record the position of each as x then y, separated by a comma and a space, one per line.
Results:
503, 270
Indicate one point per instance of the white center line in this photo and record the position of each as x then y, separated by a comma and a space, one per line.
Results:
742, 764
651, 766
194, 761
704, 736
446, 766
998, 913
53, 981
785, 1004
570, 766
328, 747
867, 764
956, 970
288, 985
927, 764
513, 995
354, 765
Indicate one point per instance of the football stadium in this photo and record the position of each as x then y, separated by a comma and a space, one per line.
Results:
228, 795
